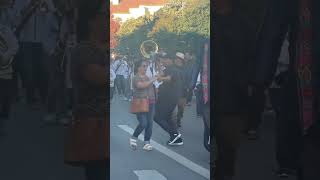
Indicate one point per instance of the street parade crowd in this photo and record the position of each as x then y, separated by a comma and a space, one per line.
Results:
159, 89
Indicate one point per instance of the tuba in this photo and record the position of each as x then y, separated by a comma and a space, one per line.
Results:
149, 48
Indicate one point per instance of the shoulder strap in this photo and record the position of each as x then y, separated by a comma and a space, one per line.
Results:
118, 67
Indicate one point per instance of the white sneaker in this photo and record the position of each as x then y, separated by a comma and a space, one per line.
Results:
147, 147
133, 144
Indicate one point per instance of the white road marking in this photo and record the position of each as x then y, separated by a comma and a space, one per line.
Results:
173, 155
149, 175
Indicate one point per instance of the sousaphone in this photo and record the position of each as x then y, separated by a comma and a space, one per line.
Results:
149, 48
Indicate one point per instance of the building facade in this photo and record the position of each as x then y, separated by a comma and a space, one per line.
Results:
127, 9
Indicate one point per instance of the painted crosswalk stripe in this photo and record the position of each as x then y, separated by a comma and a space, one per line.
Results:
173, 155
149, 174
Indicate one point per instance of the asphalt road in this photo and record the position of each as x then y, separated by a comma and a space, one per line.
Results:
31, 150
34, 151
256, 159
188, 162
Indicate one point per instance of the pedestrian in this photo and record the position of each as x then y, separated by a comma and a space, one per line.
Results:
31, 62
179, 62
289, 129
189, 64
112, 78
120, 68
237, 23
127, 81
87, 136
198, 93
143, 89
6, 70
167, 100
55, 46
202, 69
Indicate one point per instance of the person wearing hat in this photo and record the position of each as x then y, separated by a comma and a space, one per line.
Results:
167, 100
179, 62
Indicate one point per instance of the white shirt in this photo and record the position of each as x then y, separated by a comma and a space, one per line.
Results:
151, 72
112, 77
120, 67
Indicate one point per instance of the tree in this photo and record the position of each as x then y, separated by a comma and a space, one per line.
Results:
114, 27
179, 26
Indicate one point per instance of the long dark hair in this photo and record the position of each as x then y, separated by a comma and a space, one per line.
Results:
87, 10
137, 65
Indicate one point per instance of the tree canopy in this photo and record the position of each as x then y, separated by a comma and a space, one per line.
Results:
179, 26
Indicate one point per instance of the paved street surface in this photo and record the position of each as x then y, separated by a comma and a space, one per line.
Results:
257, 158
187, 162
33, 151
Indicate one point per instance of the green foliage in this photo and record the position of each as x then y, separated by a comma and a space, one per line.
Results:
179, 26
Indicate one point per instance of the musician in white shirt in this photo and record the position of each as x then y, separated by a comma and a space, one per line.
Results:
120, 67
112, 78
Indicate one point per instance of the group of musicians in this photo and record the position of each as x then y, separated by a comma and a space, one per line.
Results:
43, 32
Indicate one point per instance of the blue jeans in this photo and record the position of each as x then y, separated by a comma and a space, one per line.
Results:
145, 123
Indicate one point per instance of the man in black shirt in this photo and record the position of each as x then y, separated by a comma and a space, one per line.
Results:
168, 96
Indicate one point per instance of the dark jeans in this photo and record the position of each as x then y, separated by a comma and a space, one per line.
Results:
145, 123
97, 170
206, 121
257, 104
6, 94
128, 91
57, 92
166, 116
288, 129
32, 67
199, 100
111, 92
189, 96
120, 84
181, 106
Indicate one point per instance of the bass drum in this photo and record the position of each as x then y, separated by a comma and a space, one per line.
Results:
8, 47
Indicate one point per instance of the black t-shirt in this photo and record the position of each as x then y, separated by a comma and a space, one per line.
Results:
171, 90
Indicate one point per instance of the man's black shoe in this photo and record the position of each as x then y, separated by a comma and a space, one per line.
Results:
177, 141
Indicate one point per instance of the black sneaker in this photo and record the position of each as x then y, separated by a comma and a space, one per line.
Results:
176, 141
